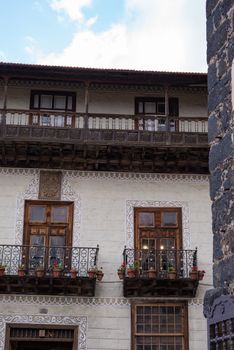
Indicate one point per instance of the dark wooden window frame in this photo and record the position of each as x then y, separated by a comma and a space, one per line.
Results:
182, 304
53, 94
28, 203
173, 105
8, 338
159, 209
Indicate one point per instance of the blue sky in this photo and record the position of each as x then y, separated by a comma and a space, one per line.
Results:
164, 35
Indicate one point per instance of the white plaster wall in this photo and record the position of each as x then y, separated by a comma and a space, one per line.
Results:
108, 326
113, 102
193, 105
103, 222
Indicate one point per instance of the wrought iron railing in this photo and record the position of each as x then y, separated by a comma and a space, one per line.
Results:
30, 258
151, 123
162, 261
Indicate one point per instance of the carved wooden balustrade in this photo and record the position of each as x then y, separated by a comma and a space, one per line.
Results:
32, 269
103, 142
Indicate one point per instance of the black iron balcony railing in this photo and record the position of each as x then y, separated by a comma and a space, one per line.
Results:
160, 273
181, 262
95, 121
32, 258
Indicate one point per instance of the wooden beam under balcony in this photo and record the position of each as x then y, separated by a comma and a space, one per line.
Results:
110, 143
47, 285
146, 287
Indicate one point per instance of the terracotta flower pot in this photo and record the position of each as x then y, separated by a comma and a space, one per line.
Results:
73, 274
40, 273
121, 274
171, 275
131, 273
201, 275
152, 273
91, 274
56, 273
193, 275
2, 271
21, 272
100, 275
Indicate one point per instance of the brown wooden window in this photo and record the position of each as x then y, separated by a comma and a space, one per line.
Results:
153, 111
52, 108
53, 100
159, 326
156, 106
158, 238
47, 230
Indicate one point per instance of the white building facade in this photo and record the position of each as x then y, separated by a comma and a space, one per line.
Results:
101, 168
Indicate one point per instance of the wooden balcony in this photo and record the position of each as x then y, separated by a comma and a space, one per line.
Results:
103, 142
160, 273
47, 270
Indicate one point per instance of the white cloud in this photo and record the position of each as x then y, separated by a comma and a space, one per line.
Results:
3, 56
72, 8
154, 35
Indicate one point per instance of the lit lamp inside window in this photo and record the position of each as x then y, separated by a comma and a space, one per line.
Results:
162, 247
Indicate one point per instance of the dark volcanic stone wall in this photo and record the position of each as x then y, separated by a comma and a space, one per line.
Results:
220, 54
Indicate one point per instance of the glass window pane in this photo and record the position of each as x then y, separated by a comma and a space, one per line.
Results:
57, 251
59, 215
161, 107
36, 101
46, 101
69, 103
169, 218
45, 120
37, 214
140, 107
37, 251
150, 107
146, 219
59, 121
59, 102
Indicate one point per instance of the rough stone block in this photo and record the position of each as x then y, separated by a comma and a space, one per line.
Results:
213, 127
216, 183
210, 5
212, 76
217, 251
217, 40
224, 272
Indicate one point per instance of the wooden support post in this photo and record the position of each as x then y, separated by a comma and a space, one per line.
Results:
167, 109
3, 121
86, 120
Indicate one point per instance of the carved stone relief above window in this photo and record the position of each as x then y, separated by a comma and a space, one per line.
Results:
50, 185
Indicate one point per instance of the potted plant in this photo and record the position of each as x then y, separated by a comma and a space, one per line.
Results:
201, 274
99, 274
133, 270
2, 270
40, 271
171, 273
152, 273
92, 272
193, 274
57, 269
73, 273
121, 271
21, 271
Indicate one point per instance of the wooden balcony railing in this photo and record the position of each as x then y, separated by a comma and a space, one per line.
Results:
30, 258
94, 121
